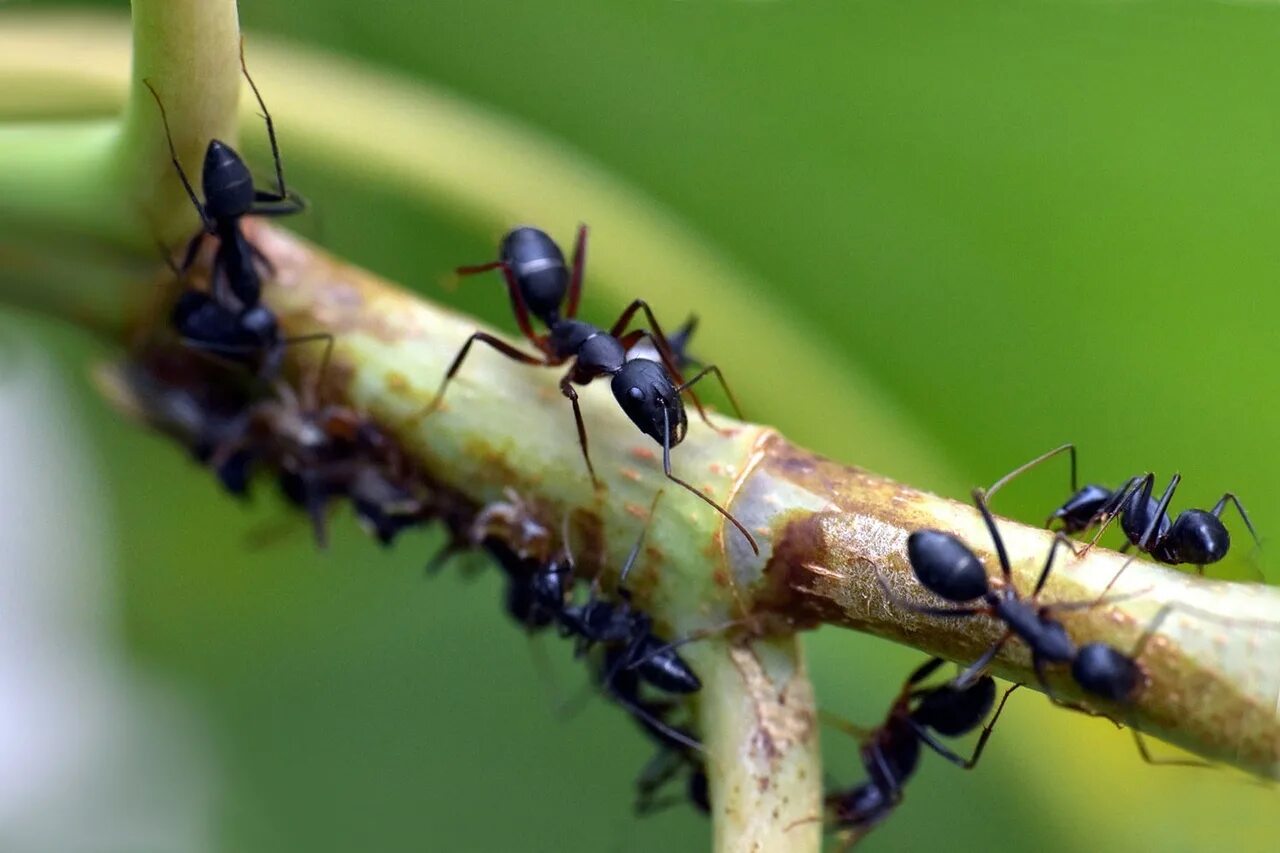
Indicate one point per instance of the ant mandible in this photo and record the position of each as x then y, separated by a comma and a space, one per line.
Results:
891, 752
1196, 536
229, 320
539, 284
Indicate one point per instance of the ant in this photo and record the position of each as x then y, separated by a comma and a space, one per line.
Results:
946, 567
1195, 536
324, 452
228, 320
538, 582
540, 285
891, 752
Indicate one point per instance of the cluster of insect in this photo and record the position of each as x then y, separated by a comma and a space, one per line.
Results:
212, 379
946, 567
214, 382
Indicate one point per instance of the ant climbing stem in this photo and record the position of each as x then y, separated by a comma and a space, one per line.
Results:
648, 392
890, 753
1195, 537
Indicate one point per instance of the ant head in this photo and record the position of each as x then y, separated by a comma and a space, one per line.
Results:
227, 182
955, 711
646, 393
1104, 671
537, 265
1082, 507
1198, 537
945, 566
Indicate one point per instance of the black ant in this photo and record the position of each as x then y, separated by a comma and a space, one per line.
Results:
228, 320
891, 752
946, 567
1196, 537
538, 581
539, 284
626, 632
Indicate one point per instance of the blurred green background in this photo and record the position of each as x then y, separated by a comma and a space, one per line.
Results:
1027, 222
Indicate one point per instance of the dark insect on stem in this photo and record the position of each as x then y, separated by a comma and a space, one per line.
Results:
228, 321
946, 567
1196, 537
542, 287
891, 752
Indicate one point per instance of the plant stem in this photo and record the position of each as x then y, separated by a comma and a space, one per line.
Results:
824, 528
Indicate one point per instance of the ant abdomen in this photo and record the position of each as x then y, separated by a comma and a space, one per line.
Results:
1105, 671
538, 266
945, 566
1196, 537
226, 181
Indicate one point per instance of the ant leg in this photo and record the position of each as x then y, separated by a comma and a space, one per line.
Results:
635, 549
575, 275
972, 671
500, 345
903, 603
691, 637
173, 156
1103, 598
1161, 508
189, 257
980, 500
666, 469
711, 368
1217, 512
923, 671
1117, 505
853, 731
567, 389
271, 128
517, 298
668, 731
1141, 744
971, 762
266, 204
1024, 468
1058, 539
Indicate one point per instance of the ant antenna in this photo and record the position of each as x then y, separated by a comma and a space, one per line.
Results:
173, 157
666, 469
635, 549
1027, 466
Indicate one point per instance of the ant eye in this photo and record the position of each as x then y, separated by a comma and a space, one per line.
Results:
635, 393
